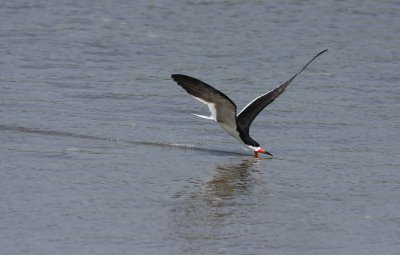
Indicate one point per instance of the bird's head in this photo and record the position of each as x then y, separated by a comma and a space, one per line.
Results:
264, 151
258, 149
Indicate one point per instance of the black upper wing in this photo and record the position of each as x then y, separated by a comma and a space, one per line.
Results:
247, 115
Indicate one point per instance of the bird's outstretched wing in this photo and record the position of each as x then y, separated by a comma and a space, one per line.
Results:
222, 109
247, 115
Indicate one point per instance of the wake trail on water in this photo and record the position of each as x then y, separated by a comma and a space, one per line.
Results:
187, 147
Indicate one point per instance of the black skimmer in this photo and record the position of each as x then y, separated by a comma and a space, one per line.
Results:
223, 109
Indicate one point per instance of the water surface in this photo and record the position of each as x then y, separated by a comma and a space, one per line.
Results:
99, 153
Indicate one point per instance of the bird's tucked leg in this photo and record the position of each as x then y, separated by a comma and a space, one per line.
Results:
256, 154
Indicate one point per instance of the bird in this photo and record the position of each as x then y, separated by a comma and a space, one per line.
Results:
223, 109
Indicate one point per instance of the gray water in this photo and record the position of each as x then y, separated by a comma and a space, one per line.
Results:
99, 153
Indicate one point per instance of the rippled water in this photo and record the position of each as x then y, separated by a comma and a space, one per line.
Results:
99, 153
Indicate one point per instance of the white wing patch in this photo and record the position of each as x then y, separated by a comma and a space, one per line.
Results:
202, 116
211, 107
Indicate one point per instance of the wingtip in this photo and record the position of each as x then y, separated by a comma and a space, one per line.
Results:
322, 52
177, 76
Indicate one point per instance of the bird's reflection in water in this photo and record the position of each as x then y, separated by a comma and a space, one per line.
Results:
205, 208
231, 180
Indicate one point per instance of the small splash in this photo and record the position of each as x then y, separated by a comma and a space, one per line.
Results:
183, 145
131, 123
325, 74
107, 22
71, 149
151, 34
368, 217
